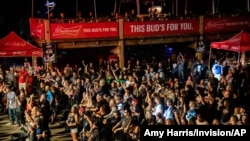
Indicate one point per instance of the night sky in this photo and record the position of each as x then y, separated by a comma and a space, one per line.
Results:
14, 14
16, 8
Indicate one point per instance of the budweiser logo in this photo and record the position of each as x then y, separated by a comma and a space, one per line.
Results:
19, 53
215, 24
2, 53
37, 31
36, 53
72, 31
224, 46
235, 47
17, 44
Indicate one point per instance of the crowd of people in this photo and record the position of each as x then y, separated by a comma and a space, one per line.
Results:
106, 102
113, 16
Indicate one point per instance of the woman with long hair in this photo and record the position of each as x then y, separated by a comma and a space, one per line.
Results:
72, 122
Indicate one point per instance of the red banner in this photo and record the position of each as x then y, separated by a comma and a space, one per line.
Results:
83, 30
37, 29
226, 24
152, 28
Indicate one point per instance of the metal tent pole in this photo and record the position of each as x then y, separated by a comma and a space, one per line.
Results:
209, 58
248, 6
213, 6
95, 9
32, 8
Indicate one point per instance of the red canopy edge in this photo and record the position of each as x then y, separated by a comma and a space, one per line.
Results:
13, 45
238, 43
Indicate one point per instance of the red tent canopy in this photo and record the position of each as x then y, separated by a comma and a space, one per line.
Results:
238, 43
14, 46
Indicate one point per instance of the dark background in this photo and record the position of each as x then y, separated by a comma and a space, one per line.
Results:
14, 14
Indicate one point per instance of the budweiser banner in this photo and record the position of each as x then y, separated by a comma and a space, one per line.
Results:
226, 24
84, 30
37, 29
152, 28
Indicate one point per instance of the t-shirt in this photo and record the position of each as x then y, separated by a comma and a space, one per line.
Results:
30, 79
49, 96
22, 76
11, 97
217, 69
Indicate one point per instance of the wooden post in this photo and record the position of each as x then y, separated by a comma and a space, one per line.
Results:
121, 53
34, 61
121, 45
199, 54
47, 38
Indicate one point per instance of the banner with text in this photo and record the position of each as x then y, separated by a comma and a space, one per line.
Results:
152, 28
226, 24
83, 30
49, 53
37, 29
